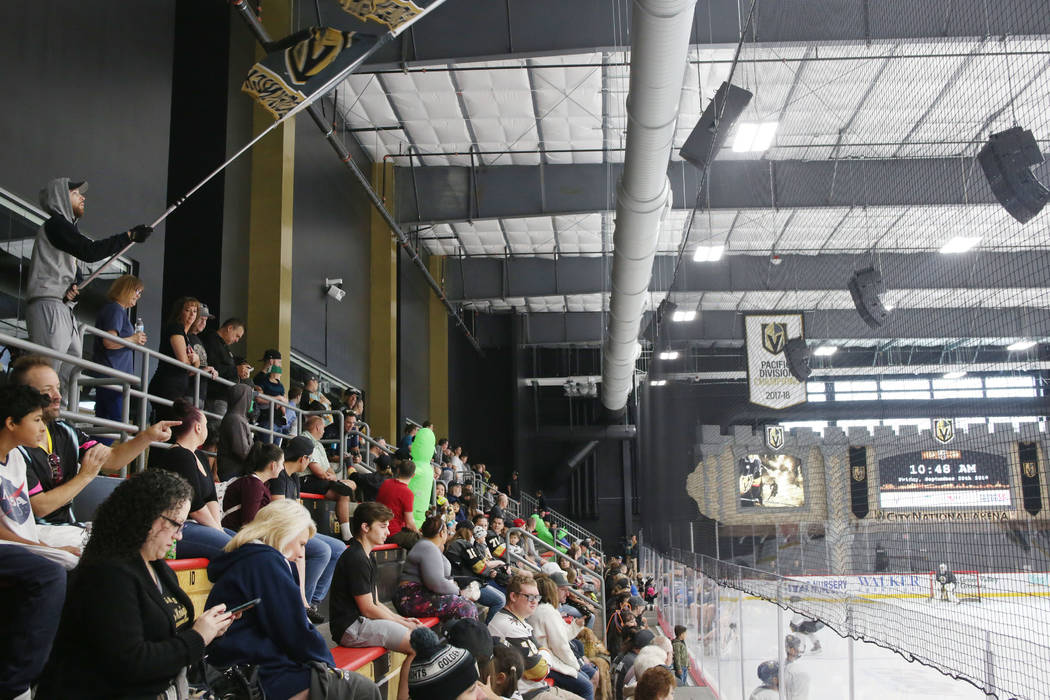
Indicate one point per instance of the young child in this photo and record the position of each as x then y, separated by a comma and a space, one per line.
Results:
681, 653
22, 425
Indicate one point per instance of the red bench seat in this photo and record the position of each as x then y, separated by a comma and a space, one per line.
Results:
354, 658
187, 564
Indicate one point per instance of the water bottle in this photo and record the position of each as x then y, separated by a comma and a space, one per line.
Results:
170, 554
140, 327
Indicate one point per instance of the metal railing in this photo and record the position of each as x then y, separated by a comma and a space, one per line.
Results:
581, 569
572, 527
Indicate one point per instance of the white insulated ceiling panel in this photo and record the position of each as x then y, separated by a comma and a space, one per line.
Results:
569, 106
498, 103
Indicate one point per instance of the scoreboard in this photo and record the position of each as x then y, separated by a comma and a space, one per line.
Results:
944, 479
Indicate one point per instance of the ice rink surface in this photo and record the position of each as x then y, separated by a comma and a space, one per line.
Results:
1009, 628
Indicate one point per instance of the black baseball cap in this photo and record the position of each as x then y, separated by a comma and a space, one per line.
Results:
81, 185
297, 448
271, 354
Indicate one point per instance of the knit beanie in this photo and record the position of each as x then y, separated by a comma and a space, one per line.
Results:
439, 671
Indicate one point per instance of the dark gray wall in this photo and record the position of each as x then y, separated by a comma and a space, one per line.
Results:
413, 347
331, 239
88, 95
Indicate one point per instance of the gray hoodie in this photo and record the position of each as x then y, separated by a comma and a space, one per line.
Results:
235, 436
60, 244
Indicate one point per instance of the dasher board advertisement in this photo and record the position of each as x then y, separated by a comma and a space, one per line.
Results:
769, 381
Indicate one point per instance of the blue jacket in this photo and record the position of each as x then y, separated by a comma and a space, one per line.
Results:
275, 635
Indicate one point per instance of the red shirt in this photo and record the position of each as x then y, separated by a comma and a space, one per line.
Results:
396, 496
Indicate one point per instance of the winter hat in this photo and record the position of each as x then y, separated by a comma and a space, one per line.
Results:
439, 671
472, 635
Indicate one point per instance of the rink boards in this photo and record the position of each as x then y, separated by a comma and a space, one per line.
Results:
893, 586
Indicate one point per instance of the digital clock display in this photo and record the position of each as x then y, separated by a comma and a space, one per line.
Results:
944, 478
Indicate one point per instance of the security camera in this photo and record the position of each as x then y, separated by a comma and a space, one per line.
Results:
336, 293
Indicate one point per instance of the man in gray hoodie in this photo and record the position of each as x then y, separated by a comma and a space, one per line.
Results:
59, 251
235, 435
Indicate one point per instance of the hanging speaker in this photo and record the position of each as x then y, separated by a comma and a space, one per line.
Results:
796, 352
1007, 159
866, 288
711, 132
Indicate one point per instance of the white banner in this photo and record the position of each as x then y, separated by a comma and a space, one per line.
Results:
769, 382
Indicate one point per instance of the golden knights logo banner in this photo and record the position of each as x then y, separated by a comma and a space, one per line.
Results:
858, 481
774, 437
286, 78
395, 14
769, 381
1031, 493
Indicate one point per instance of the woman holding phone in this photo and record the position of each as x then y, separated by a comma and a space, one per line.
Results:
275, 635
127, 629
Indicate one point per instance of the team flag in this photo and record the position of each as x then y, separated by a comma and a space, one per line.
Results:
309, 63
395, 14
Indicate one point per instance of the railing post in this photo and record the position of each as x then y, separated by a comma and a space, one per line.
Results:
143, 408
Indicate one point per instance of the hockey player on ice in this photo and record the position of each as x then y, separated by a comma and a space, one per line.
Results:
806, 628
796, 679
769, 674
946, 580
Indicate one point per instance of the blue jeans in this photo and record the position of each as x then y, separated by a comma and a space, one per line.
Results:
35, 604
578, 684
493, 599
201, 541
322, 554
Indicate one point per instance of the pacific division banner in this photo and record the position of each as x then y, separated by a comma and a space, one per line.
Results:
770, 384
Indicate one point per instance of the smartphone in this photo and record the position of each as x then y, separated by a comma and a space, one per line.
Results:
245, 606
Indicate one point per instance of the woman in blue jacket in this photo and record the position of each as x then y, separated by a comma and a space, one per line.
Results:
275, 635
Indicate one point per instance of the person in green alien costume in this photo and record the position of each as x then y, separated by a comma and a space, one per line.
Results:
422, 484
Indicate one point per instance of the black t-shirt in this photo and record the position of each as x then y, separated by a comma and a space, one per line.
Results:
164, 369
65, 443
284, 484
184, 463
355, 574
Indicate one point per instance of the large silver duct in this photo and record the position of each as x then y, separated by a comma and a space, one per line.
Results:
659, 48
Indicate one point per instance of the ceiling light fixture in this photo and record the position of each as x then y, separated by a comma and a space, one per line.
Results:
683, 316
657, 382
955, 374
708, 253
669, 355
752, 137
1020, 345
825, 350
959, 244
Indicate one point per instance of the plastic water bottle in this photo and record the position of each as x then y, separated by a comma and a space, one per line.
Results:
140, 327
170, 554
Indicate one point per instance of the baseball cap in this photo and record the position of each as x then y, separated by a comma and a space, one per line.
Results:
559, 580
439, 671
81, 185
271, 354
307, 378
518, 522
643, 638
297, 448
204, 313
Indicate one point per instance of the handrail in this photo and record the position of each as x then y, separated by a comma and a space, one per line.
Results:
298, 358
78, 362
580, 567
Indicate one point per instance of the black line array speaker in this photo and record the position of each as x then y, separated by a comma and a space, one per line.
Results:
1007, 159
711, 132
796, 352
866, 288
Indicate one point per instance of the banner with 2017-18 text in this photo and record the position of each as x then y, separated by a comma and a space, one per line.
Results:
769, 380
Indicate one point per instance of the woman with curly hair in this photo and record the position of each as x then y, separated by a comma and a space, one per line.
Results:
276, 635
204, 535
127, 629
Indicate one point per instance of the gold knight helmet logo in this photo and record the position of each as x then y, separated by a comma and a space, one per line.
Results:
860, 472
774, 337
775, 436
1029, 469
944, 430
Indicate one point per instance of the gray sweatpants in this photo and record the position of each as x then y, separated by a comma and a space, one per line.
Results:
52, 325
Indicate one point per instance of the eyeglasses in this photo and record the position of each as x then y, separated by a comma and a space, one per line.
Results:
179, 527
534, 598
55, 462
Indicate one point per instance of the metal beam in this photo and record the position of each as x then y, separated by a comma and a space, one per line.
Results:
473, 30
488, 278
585, 328
511, 191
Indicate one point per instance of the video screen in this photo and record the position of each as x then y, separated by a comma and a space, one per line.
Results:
944, 478
771, 481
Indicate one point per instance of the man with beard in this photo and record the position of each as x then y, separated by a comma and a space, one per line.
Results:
68, 459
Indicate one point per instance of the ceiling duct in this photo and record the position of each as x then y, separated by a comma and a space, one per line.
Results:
659, 48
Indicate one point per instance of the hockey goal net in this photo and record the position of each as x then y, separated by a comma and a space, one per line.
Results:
967, 586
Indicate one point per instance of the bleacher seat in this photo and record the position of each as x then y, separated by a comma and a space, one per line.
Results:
88, 500
193, 580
